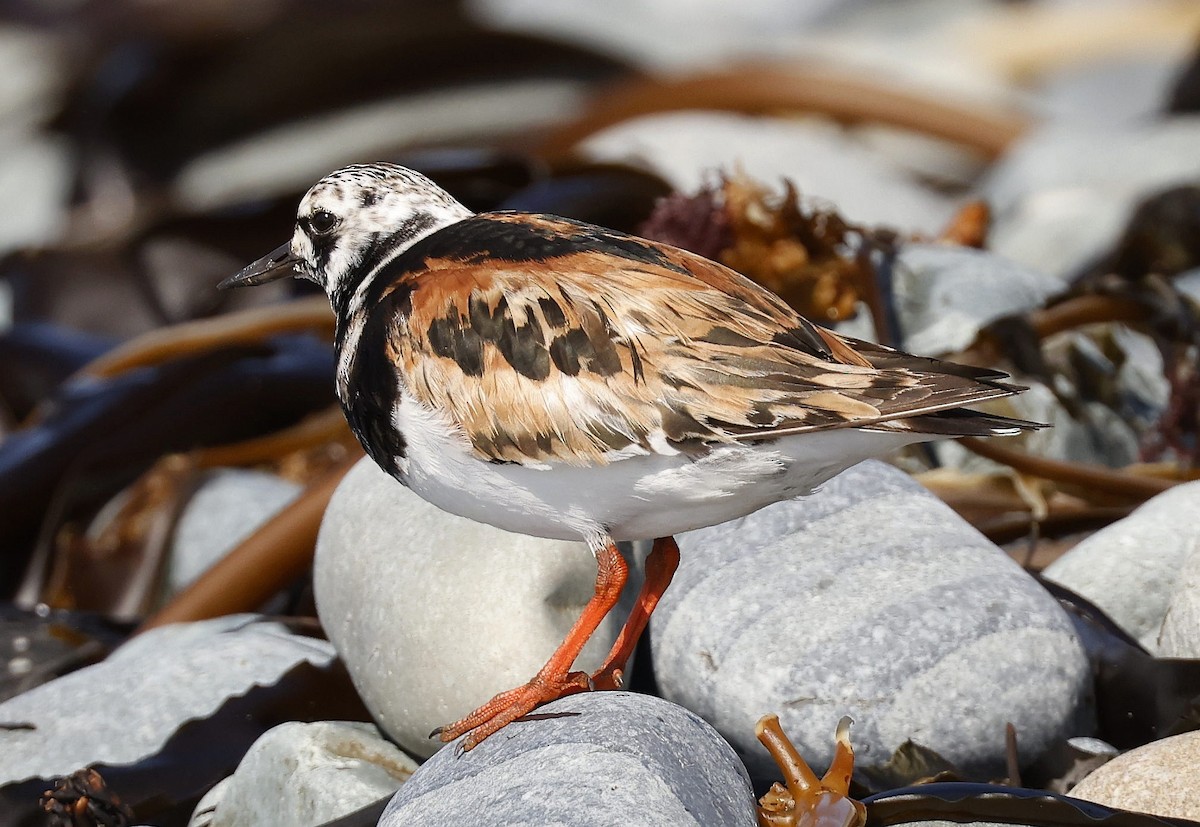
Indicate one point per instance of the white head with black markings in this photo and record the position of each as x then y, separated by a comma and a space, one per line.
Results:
351, 223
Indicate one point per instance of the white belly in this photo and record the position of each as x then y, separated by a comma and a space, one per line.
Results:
637, 498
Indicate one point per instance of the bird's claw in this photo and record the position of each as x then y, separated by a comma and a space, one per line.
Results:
510, 706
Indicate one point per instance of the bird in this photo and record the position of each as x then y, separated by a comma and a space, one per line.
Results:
558, 379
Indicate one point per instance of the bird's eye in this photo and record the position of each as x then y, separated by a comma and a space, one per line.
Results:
322, 221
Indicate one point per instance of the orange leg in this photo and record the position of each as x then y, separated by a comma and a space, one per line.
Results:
660, 568
555, 679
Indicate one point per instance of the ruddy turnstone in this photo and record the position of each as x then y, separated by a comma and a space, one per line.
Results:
562, 380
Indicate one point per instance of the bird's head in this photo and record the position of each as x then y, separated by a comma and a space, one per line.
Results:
351, 222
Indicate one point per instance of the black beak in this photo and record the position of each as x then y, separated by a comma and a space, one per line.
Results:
276, 264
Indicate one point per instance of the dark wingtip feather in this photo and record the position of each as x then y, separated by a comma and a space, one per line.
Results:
956, 422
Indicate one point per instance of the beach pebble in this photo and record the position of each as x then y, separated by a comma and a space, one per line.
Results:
1135, 158
944, 294
870, 598
1061, 231
434, 614
1179, 636
1114, 90
1162, 777
302, 775
600, 758
229, 506
35, 166
1061, 197
687, 148
1188, 283
126, 707
1130, 568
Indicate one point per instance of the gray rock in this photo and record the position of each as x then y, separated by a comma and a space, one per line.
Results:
432, 613
687, 147
924, 157
1179, 636
944, 294
35, 166
302, 775
36, 174
125, 708
870, 598
1064, 193
1128, 569
1113, 90
1060, 231
1141, 376
655, 35
610, 758
289, 156
1140, 157
230, 506
1188, 283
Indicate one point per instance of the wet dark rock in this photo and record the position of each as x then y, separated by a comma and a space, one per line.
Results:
35, 358
208, 93
1162, 238
40, 644
1185, 94
611, 196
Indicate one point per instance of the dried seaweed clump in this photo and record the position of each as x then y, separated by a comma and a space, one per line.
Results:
83, 800
802, 254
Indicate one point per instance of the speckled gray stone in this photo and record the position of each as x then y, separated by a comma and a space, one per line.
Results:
305, 774
1162, 777
612, 758
1130, 568
944, 294
127, 706
870, 598
434, 614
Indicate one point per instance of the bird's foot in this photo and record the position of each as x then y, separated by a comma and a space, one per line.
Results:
803, 798
511, 705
